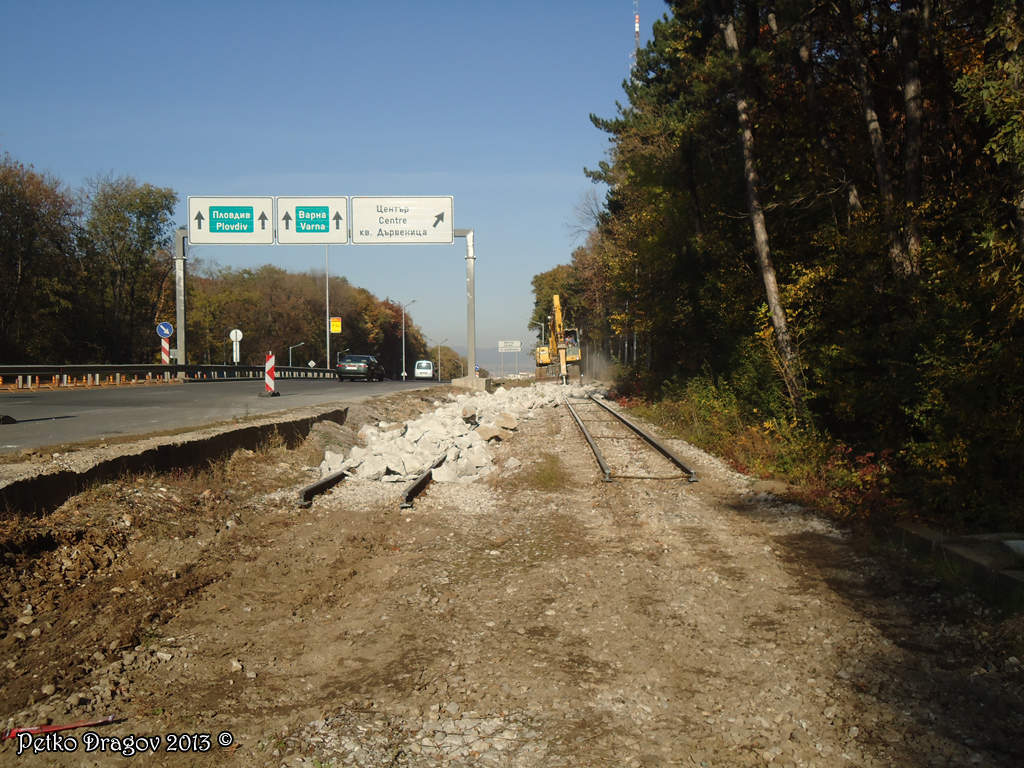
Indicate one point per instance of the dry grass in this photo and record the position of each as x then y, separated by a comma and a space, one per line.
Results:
548, 474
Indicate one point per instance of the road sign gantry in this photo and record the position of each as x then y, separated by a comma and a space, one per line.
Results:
324, 220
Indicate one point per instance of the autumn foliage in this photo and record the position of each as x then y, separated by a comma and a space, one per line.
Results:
882, 147
86, 275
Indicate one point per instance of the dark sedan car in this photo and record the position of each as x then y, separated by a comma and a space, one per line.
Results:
360, 367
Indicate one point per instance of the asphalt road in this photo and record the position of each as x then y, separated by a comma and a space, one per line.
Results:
61, 417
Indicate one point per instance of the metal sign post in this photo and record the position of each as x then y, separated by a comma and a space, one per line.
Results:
470, 299
327, 300
236, 347
180, 238
509, 346
164, 331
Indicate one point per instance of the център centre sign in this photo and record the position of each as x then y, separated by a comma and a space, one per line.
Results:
402, 220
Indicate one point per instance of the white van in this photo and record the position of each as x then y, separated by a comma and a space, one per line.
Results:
424, 370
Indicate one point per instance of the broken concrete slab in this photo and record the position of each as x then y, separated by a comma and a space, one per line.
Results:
506, 421
449, 431
985, 555
488, 433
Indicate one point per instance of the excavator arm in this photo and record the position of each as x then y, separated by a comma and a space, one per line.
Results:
563, 346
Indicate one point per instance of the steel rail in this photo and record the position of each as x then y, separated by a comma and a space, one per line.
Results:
593, 446
653, 441
414, 489
324, 484
420, 483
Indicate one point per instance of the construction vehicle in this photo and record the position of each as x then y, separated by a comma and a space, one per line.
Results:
559, 359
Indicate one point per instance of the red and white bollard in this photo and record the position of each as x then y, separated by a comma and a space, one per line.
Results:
268, 377
165, 351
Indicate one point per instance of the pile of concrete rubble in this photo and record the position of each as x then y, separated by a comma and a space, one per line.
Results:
461, 430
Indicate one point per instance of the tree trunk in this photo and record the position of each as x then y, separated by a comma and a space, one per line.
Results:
913, 105
897, 253
690, 182
784, 341
1018, 178
805, 65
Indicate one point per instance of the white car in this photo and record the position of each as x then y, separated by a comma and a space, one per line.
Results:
424, 370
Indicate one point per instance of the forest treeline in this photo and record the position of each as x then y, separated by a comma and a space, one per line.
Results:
815, 221
86, 275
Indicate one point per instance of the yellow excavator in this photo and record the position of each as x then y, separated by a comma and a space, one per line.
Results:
560, 358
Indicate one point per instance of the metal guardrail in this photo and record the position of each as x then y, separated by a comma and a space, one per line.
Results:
27, 377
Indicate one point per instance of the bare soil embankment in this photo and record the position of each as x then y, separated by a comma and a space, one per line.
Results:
537, 618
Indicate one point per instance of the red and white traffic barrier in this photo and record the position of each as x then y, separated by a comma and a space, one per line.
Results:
165, 351
268, 377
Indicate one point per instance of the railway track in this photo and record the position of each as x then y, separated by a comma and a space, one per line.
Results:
623, 449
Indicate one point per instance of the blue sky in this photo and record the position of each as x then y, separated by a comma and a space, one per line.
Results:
485, 101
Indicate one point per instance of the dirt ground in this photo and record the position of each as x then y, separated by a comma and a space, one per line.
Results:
537, 618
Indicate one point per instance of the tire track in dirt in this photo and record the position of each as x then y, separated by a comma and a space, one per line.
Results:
544, 618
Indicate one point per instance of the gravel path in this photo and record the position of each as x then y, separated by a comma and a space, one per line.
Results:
544, 618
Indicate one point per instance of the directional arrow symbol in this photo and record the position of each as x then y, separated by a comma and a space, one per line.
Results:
287, 220
263, 220
438, 219
337, 220
199, 220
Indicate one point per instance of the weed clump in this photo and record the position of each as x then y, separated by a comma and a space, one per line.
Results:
548, 474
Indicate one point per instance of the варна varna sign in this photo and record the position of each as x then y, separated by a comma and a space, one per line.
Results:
320, 220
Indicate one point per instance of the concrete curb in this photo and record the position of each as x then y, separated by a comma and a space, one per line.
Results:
45, 491
474, 383
989, 558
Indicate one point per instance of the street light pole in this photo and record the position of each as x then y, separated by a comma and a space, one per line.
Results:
542, 326
439, 359
180, 240
403, 335
470, 298
290, 353
327, 301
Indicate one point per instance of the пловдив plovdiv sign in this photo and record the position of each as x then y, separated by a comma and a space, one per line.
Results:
231, 220
320, 220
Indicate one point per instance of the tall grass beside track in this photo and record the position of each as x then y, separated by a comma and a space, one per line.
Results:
826, 475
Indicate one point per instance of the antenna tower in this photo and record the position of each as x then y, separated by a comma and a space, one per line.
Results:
636, 34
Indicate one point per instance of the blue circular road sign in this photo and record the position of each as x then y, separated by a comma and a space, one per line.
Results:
164, 330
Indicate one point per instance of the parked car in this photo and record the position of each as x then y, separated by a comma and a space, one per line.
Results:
424, 370
354, 367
